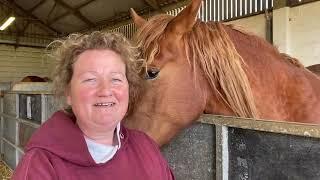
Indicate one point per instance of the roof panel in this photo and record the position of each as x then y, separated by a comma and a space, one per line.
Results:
57, 11
69, 24
75, 3
100, 10
42, 12
27, 4
62, 16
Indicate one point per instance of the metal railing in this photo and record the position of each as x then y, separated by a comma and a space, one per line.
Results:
214, 10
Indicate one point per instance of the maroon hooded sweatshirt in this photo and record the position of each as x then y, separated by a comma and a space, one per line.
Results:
57, 150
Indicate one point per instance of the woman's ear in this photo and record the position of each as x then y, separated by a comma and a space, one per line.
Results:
67, 94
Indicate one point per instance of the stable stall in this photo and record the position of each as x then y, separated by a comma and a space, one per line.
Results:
24, 108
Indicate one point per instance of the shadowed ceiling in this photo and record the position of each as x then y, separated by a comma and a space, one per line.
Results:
54, 18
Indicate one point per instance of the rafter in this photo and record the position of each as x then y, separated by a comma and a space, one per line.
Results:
51, 11
19, 10
36, 6
76, 13
67, 13
84, 4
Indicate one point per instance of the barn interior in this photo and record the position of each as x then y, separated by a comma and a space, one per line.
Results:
290, 25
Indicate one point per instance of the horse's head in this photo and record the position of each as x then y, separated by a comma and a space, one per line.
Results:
175, 94
192, 67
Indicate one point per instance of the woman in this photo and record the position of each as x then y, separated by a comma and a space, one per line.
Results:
96, 73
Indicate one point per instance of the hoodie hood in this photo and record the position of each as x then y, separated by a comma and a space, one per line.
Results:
61, 136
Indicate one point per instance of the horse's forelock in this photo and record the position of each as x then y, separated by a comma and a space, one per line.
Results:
148, 37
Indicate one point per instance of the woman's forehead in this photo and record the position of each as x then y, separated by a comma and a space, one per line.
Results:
99, 60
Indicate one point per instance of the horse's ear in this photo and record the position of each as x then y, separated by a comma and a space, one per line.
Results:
138, 20
185, 20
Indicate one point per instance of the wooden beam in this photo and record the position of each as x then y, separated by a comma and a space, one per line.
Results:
76, 13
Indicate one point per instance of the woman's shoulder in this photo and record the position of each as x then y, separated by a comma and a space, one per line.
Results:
34, 161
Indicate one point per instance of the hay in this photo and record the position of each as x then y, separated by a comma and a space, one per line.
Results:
5, 171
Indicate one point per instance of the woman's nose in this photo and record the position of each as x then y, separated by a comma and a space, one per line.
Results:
105, 89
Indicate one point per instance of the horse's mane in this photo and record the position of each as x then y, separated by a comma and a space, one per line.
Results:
292, 60
208, 45
256, 39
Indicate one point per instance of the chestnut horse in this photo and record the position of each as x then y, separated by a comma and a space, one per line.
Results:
195, 67
35, 79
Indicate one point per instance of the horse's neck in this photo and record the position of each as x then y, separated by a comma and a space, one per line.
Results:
279, 87
215, 105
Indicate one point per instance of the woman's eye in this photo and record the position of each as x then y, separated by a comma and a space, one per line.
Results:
152, 73
116, 80
90, 80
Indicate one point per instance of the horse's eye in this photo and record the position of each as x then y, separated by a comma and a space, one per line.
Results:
152, 73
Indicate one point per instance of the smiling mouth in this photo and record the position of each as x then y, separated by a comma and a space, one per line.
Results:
110, 104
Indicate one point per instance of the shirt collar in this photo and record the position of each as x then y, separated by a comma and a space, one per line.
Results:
102, 153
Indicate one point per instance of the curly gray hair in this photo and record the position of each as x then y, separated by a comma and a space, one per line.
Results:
67, 50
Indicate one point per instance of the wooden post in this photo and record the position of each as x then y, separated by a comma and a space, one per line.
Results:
280, 4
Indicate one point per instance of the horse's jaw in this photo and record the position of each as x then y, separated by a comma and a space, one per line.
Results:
162, 132
215, 105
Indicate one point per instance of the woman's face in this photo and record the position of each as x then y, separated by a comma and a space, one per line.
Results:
98, 92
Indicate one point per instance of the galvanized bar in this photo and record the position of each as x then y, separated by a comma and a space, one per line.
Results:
13, 145
1, 127
131, 30
222, 152
227, 9
44, 110
28, 123
207, 10
218, 5
202, 11
236, 8
28, 92
231, 9
17, 131
210, 10
246, 7
293, 128
241, 9
255, 5
222, 10
214, 10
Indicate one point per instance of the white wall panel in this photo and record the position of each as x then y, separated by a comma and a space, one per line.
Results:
255, 24
304, 33
16, 63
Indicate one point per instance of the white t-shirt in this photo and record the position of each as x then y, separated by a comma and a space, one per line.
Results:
102, 153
